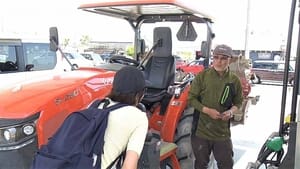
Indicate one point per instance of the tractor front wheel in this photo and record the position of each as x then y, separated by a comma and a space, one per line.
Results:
185, 154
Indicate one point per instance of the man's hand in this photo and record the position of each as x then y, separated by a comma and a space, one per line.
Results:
213, 113
226, 115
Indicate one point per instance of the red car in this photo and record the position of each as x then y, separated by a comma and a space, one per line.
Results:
194, 67
179, 61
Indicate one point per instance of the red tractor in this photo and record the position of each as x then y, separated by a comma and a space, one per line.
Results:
165, 101
43, 104
172, 23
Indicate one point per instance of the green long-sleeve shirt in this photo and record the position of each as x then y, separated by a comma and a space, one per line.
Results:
206, 90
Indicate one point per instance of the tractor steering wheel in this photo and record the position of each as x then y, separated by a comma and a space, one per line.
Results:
123, 60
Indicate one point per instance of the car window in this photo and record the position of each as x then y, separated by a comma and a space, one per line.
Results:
263, 65
78, 56
271, 66
98, 58
87, 56
39, 55
69, 56
280, 66
8, 58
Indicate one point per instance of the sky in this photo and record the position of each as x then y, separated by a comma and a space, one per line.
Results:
268, 21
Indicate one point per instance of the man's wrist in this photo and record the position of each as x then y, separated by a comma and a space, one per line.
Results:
231, 113
205, 110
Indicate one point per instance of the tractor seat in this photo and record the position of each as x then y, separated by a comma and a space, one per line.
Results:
159, 70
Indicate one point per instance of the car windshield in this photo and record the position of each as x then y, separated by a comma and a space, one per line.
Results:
73, 56
97, 57
77, 56
87, 56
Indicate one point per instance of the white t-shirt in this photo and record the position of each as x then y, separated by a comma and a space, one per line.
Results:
126, 129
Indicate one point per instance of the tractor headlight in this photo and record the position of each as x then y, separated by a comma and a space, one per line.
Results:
29, 129
15, 132
10, 134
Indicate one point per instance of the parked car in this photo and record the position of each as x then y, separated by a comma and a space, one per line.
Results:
106, 56
194, 66
94, 57
179, 61
269, 70
78, 60
24, 60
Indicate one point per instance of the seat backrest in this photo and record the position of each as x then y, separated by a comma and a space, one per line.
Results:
160, 69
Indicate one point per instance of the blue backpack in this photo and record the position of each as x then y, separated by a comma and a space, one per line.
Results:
78, 143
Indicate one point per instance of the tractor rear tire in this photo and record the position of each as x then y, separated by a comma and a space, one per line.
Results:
185, 154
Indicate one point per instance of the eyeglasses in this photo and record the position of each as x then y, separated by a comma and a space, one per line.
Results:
220, 57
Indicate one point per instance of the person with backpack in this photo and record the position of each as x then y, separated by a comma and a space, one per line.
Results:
110, 130
216, 93
127, 126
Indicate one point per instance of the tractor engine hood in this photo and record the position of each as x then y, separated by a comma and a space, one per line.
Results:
26, 99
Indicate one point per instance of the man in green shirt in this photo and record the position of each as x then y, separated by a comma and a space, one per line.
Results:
216, 93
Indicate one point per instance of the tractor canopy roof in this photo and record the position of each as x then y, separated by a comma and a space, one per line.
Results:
149, 11
178, 14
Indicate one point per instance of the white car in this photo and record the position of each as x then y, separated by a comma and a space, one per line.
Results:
94, 57
77, 60
22, 61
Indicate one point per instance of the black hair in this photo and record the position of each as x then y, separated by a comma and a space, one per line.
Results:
130, 98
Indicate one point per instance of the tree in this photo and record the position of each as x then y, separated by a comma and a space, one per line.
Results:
130, 50
66, 42
85, 40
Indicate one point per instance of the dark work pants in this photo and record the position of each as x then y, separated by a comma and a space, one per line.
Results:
222, 151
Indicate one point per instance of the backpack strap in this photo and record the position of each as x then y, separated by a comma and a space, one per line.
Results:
96, 103
118, 161
98, 143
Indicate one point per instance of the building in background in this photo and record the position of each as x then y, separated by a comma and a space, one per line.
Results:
108, 47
